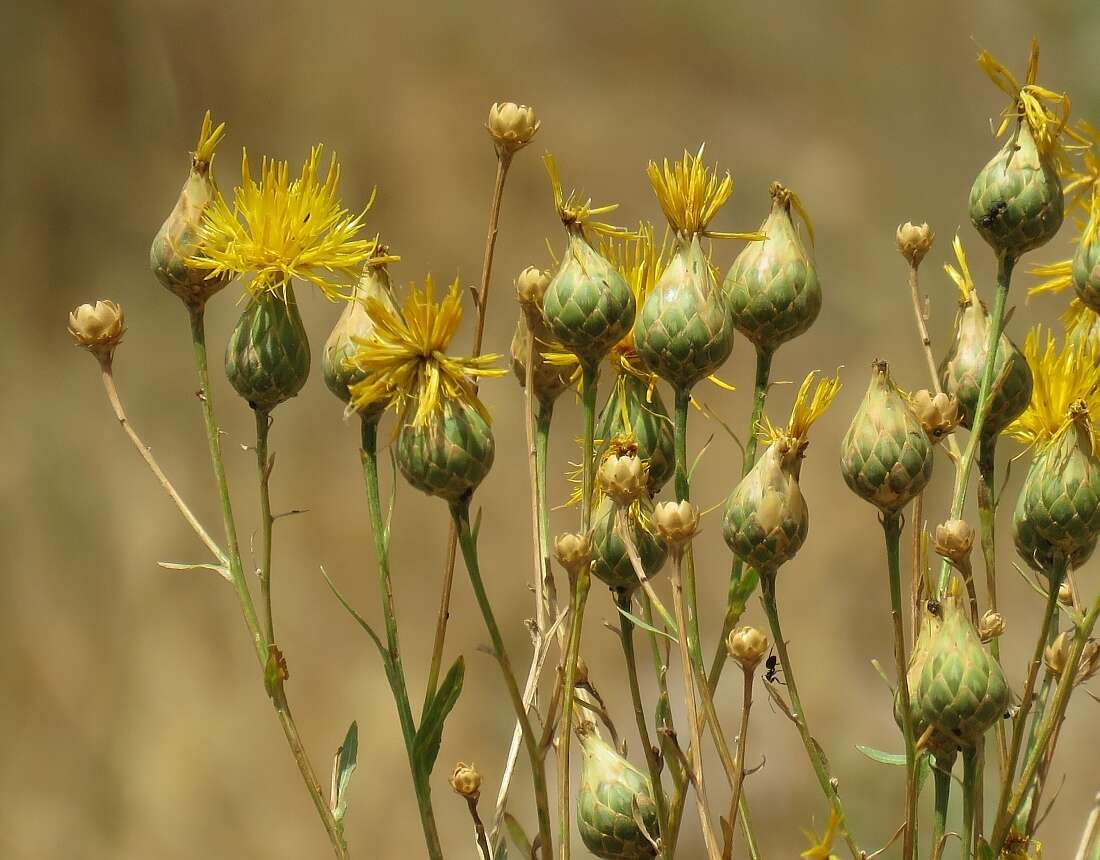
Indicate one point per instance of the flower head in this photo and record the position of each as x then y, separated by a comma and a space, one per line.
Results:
806, 410
914, 241
677, 522
466, 781
98, 328
747, 646
1081, 184
404, 360
577, 212
1067, 387
511, 126
938, 413
691, 194
961, 275
278, 229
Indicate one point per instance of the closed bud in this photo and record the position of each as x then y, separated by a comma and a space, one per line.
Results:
511, 126
939, 414
914, 240
1090, 662
991, 625
747, 646
573, 551
1065, 594
1056, 655
531, 287
677, 522
98, 328
623, 478
954, 540
466, 781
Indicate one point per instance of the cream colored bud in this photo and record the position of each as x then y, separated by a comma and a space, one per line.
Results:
531, 287
573, 551
98, 328
623, 478
991, 625
939, 414
677, 522
466, 781
747, 646
511, 126
1057, 654
914, 241
1090, 662
954, 540
1065, 594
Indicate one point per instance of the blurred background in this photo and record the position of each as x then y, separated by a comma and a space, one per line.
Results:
134, 723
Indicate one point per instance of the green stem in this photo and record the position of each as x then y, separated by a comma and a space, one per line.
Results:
1005, 265
891, 527
240, 585
743, 584
813, 751
395, 672
263, 465
626, 634
987, 513
941, 776
542, 448
460, 512
590, 375
683, 493
1042, 703
970, 790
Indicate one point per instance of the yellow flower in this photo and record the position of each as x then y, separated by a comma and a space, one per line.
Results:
804, 413
1070, 378
405, 361
1059, 275
278, 229
641, 262
573, 211
691, 194
1080, 186
961, 275
822, 848
1081, 322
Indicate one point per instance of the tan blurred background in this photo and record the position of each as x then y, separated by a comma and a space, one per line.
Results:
133, 722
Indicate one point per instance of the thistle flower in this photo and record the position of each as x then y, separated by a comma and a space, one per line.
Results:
772, 287
1086, 260
280, 229
886, 457
511, 126
180, 236
98, 328
445, 447
614, 802
677, 522
549, 379
962, 369
954, 540
636, 411
466, 781
573, 551
938, 413
588, 305
1082, 323
1016, 202
267, 358
622, 477
766, 517
942, 746
684, 332
914, 241
747, 646
610, 562
991, 625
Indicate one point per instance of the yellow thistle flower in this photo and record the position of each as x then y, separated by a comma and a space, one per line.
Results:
1045, 111
806, 410
573, 211
1070, 378
821, 848
1081, 322
641, 261
278, 229
404, 361
691, 194
1080, 185
209, 138
961, 275
1058, 276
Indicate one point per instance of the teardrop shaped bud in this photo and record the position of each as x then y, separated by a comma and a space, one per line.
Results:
588, 305
622, 477
610, 562
1016, 202
450, 453
1086, 263
98, 328
633, 410
886, 457
962, 688
938, 413
939, 744
677, 522
954, 540
355, 322
766, 517
747, 646
267, 358
914, 241
683, 332
772, 287
573, 551
548, 380
612, 796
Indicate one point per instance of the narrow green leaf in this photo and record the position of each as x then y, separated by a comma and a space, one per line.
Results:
342, 769
638, 622
516, 834
359, 618
430, 733
880, 756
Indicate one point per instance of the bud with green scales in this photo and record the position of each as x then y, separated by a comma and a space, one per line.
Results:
548, 379
1086, 260
941, 745
267, 359
612, 798
610, 562
886, 457
962, 369
772, 288
636, 410
450, 454
962, 690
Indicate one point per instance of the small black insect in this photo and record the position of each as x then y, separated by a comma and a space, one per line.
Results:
934, 607
995, 212
773, 670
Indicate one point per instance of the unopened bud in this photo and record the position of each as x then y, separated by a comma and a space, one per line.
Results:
98, 328
939, 414
747, 646
511, 126
1056, 655
466, 781
573, 551
1065, 594
623, 478
531, 287
991, 625
914, 241
677, 522
954, 540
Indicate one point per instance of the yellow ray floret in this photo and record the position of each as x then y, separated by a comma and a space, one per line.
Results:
1070, 378
1081, 184
278, 229
641, 262
806, 410
822, 848
405, 360
1081, 322
574, 211
209, 137
961, 276
691, 194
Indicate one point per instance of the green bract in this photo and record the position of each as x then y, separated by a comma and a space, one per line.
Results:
1086, 269
647, 421
267, 359
450, 454
355, 321
941, 745
610, 562
612, 795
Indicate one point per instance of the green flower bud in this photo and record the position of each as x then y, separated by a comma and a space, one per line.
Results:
610, 792
448, 455
941, 745
1086, 267
772, 287
610, 562
548, 380
267, 359
635, 411
886, 457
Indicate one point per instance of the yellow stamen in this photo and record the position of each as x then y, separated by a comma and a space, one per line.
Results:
209, 137
961, 275
572, 211
804, 413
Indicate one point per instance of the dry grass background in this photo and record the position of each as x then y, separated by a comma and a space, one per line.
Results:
133, 722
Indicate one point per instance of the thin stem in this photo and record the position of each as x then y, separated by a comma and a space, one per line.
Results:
739, 588
813, 751
150, 461
395, 672
1089, 848
1030, 807
244, 596
971, 775
941, 777
460, 512
263, 466
926, 345
891, 527
479, 829
539, 540
1005, 265
742, 747
987, 514
542, 447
